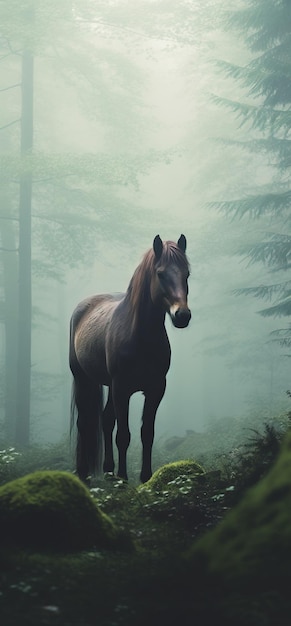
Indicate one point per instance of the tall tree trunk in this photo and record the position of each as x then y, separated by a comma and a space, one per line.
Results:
24, 340
10, 275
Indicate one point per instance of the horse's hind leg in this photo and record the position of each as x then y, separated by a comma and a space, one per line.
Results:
108, 423
152, 400
89, 399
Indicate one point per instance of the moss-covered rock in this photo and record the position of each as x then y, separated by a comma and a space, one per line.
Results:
53, 510
252, 545
168, 474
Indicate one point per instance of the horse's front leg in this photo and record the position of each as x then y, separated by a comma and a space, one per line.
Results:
153, 398
121, 405
108, 423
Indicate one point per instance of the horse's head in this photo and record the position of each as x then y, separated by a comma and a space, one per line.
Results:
171, 279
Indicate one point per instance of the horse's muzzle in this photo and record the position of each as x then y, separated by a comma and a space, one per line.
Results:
180, 317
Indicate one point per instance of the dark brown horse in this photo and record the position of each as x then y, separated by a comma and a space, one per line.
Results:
120, 341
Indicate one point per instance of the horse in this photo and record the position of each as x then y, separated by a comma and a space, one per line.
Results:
119, 341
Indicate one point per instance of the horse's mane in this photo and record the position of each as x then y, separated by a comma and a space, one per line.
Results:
138, 288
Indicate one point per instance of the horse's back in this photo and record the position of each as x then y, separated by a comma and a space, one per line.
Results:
89, 324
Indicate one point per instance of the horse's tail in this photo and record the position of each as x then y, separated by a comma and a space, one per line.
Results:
87, 403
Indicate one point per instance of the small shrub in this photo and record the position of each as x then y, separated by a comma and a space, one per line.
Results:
9, 458
15, 463
257, 456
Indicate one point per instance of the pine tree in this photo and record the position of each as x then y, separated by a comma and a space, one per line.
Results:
265, 26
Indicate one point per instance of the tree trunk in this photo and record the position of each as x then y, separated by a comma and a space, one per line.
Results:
24, 294
10, 274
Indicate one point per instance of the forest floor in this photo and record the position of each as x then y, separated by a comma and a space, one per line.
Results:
150, 580
145, 584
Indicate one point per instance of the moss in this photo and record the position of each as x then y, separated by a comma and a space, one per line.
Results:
53, 510
253, 543
164, 476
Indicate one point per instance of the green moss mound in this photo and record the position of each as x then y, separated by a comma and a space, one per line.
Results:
168, 474
252, 545
53, 510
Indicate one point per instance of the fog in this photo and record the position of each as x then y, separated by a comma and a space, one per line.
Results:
130, 142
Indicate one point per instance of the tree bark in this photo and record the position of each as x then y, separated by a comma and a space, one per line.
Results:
22, 433
10, 276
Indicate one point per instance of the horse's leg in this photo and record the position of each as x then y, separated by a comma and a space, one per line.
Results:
153, 398
88, 398
121, 406
108, 422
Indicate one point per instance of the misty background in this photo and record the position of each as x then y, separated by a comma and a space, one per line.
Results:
131, 136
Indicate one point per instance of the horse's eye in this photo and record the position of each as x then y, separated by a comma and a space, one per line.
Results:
161, 274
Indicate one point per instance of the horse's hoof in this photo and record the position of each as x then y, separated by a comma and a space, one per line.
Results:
124, 479
109, 476
145, 477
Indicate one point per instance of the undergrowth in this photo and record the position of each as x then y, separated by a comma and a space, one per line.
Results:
118, 589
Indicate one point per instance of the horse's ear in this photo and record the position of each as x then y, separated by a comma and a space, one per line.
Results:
158, 247
182, 243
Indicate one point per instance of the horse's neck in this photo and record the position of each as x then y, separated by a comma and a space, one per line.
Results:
150, 319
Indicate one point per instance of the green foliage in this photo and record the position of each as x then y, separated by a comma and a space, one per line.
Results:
267, 23
15, 462
283, 337
260, 117
245, 558
257, 456
171, 23
236, 573
53, 510
188, 499
171, 493
25, 24
255, 206
252, 541
168, 475
265, 28
105, 168
8, 461
239, 451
